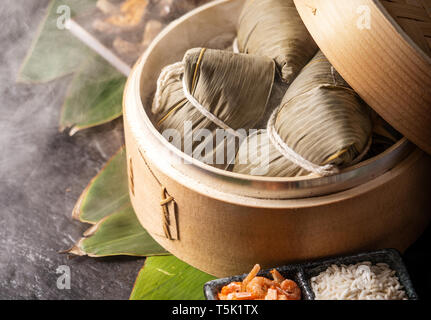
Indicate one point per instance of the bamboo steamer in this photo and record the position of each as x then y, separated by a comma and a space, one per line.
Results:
382, 49
224, 223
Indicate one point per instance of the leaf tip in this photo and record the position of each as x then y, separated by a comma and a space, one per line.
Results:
73, 130
75, 250
76, 212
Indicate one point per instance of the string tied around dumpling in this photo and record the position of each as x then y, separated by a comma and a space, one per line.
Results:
208, 114
178, 70
168, 72
292, 155
235, 47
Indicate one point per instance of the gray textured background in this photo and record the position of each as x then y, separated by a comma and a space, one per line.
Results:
42, 173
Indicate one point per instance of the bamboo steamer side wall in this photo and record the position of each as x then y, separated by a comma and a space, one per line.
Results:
224, 238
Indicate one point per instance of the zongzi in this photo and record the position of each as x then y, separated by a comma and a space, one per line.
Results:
211, 98
320, 126
273, 28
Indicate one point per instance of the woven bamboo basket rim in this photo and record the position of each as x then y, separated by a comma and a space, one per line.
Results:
252, 187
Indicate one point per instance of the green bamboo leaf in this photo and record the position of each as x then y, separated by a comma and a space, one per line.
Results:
117, 234
94, 96
168, 278
106, 193
55, 52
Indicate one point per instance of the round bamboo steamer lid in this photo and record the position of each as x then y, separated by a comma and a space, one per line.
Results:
192, 211
382, 49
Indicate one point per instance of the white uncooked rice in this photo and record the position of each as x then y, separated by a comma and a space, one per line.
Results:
362, 281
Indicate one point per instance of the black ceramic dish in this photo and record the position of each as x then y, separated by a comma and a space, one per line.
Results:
293, 272
302, 273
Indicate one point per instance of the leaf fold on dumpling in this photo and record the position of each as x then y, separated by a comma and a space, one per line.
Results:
273, 28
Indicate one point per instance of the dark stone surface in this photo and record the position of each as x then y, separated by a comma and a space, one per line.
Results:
417, 259
42, 173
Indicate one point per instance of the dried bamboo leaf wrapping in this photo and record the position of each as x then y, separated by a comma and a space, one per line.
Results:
258, 157
321, 118
273, 28
233, 87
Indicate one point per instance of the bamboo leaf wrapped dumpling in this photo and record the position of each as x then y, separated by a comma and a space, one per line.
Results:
320, 126
211, 91
273, 28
